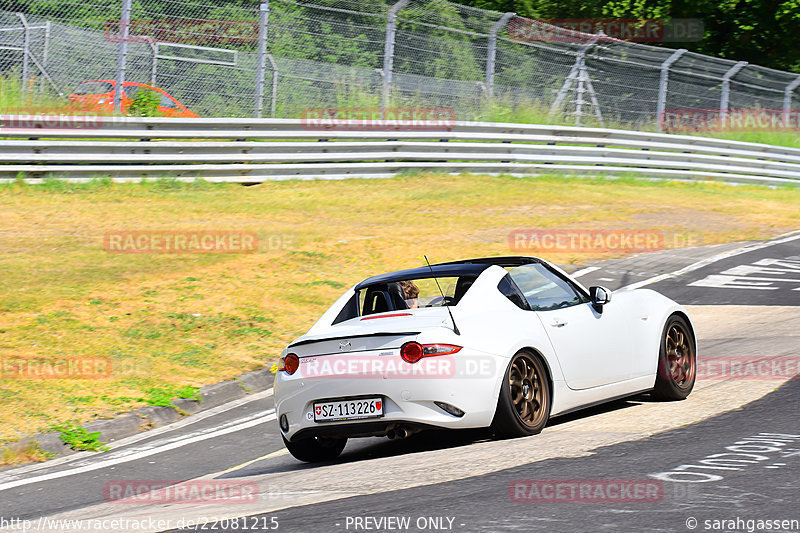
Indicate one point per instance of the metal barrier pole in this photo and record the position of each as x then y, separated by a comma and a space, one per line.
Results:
787, 99
388, 49
261, 62
726, 90
661, 104
574, 74
491, 52
26, 51
154, 60
44, 52
274, 85
123, 52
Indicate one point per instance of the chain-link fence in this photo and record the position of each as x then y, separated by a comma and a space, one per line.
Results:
279, 57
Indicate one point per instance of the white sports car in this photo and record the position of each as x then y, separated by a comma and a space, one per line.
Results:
502, 342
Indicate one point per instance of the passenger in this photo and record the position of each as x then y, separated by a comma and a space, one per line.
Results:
411, 292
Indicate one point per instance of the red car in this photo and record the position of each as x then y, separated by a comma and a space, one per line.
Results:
98, 95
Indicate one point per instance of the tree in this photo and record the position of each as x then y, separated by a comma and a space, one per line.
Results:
758, 31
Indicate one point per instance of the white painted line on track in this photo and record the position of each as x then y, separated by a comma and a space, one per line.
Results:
262, 418
787, 237
16, 473
584, 271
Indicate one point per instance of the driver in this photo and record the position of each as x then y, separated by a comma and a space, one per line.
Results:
411, 293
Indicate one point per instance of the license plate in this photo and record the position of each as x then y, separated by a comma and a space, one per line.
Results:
348, 409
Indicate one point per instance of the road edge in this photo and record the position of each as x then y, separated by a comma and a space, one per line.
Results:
149, 417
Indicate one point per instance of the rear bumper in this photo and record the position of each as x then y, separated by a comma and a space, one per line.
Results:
408, 401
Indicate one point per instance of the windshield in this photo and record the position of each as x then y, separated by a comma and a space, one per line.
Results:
93, 87
543, 289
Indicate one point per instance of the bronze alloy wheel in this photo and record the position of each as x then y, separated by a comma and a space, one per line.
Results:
680, 355
528, 386
677, 360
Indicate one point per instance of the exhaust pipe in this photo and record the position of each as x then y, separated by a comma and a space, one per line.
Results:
400, 432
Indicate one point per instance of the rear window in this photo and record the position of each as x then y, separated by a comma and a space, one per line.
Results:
94, 87
405, 294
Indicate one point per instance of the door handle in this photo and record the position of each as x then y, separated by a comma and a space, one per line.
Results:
557, 323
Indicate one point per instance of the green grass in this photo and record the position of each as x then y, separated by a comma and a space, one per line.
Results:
35, 100
520, 111
77, 438
164, 396
32, 453
171, 323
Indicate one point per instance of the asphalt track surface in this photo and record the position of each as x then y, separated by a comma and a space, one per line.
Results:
761, 490
243, 442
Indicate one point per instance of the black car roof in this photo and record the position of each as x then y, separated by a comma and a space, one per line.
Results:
466, 267
507, 261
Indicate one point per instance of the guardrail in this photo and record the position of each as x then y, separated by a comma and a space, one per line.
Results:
257, 150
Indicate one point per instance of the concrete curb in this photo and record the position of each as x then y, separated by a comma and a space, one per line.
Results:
150, 417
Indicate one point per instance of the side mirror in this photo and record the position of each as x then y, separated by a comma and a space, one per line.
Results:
600, 296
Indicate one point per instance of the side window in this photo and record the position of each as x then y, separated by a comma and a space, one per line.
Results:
544, 290
510, 291
166, 101
131, 90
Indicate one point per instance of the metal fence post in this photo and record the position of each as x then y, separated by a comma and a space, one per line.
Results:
491, 51
45, 51
26, 51
274, 85
787, 98
123, 52
154, 60
661, 104
261, 61
388, 49
726, 90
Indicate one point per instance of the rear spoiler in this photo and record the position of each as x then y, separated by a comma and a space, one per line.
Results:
340, 337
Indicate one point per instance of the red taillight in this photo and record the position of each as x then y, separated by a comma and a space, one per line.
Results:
290, 363
412, 352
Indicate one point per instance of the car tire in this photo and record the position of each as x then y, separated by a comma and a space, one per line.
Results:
677, 361
523, 407
316, 449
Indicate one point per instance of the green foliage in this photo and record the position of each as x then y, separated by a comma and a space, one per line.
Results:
163, 396
38, 98
30, 453
79, 439
757, 31
145, 104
